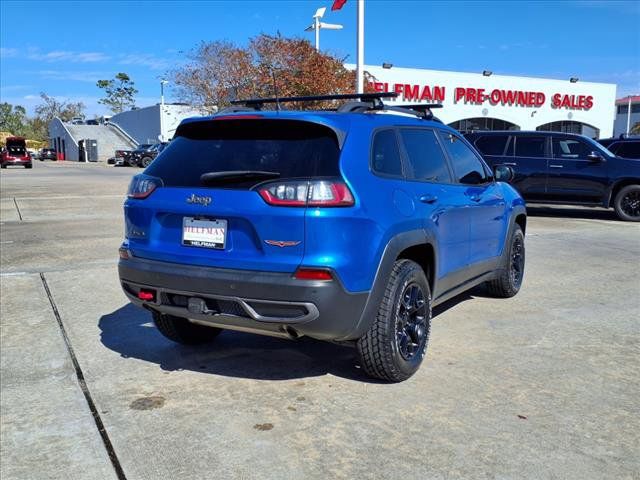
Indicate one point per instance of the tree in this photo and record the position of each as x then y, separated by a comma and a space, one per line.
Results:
12, 118
119, 93
51, 108
220, 71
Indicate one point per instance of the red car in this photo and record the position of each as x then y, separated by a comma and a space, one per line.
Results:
15, 153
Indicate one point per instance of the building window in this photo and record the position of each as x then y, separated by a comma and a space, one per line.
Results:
570, 127
483, 123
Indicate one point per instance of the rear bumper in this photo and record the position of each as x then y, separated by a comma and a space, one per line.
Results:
16, 161
261, 302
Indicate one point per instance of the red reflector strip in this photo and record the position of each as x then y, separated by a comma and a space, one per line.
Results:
146, 295
313, 274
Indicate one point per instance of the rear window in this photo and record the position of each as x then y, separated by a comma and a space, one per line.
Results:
292, 148
492, 145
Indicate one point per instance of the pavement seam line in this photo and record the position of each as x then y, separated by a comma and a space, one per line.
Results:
17, 208
83, 386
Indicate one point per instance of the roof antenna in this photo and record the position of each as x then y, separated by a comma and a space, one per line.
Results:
275, 89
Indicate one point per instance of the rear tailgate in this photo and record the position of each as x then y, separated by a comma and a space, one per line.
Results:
227, 223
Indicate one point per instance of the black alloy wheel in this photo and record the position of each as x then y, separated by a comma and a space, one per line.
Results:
412, 329
395, 344
517, 261
631, 204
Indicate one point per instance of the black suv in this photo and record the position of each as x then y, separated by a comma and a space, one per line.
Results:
48, 154
623, 146
142, 157
554, 167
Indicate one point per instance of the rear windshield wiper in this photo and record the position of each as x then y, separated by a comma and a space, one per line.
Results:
222, 178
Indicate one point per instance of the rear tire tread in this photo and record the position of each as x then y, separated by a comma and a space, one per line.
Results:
374, 348
181, 330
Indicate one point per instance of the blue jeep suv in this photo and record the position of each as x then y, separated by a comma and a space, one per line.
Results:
346, 225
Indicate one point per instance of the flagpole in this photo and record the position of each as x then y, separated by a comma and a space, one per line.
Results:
360, 49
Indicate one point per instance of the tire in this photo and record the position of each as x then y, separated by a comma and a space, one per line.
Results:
510, 279
3, 166
181, 330
394, 346
145, 162
627, 203
28, 166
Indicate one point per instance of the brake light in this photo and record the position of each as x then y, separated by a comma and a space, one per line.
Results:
313, 274
323, 193
237, 117
142, 186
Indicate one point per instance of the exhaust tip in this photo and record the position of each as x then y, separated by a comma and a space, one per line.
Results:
291, 332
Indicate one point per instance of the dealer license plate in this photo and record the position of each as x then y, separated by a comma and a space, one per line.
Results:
204, 233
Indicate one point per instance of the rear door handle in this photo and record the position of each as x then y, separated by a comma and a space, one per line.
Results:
555, 166
510, 164
428, 198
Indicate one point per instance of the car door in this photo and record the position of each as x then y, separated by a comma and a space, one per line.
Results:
486, 202
441, 203
573, 177
528, 156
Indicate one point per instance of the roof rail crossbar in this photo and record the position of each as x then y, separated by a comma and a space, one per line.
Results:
373, 98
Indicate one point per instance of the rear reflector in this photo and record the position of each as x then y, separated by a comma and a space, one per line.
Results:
313, 274
124, 253
147, 295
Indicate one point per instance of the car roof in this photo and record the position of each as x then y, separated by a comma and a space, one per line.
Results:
524, 133
341, 121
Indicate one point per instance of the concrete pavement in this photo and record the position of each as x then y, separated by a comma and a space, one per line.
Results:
544, 385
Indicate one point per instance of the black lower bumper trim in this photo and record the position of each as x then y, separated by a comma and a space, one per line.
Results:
260, 301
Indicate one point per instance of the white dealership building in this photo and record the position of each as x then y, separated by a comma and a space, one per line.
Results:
487, 101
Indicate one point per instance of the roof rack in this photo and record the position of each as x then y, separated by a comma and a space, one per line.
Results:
364, 102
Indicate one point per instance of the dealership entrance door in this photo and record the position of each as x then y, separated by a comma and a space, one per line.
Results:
569, 126
483, 123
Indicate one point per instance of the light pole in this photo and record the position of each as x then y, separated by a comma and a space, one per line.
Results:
317, 25
360, 49
163, 82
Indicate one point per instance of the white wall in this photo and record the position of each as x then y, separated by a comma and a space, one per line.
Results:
143, 124
600, 114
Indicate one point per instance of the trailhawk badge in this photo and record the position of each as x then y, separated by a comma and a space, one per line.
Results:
199, 200
282, 243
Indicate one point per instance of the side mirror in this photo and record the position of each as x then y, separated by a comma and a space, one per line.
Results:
503, 173
595, 157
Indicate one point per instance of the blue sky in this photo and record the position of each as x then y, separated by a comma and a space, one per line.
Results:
63, 48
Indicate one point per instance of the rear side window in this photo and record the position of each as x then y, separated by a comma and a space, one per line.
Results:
466, 165
426, 157
570, 148
385, 153
290, 148
530, 146
628, 150
492, 145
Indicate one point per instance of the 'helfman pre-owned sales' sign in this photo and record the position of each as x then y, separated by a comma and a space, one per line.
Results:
478, 96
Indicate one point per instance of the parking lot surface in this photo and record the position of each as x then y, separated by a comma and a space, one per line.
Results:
541, 386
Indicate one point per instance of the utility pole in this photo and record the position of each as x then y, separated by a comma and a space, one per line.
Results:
163, 82
629, 116
360, 49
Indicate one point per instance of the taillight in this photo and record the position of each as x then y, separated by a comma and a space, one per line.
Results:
142, 186
306, 273
322, 193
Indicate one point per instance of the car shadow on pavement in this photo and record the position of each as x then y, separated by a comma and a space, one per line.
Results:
574, 213
130, 332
